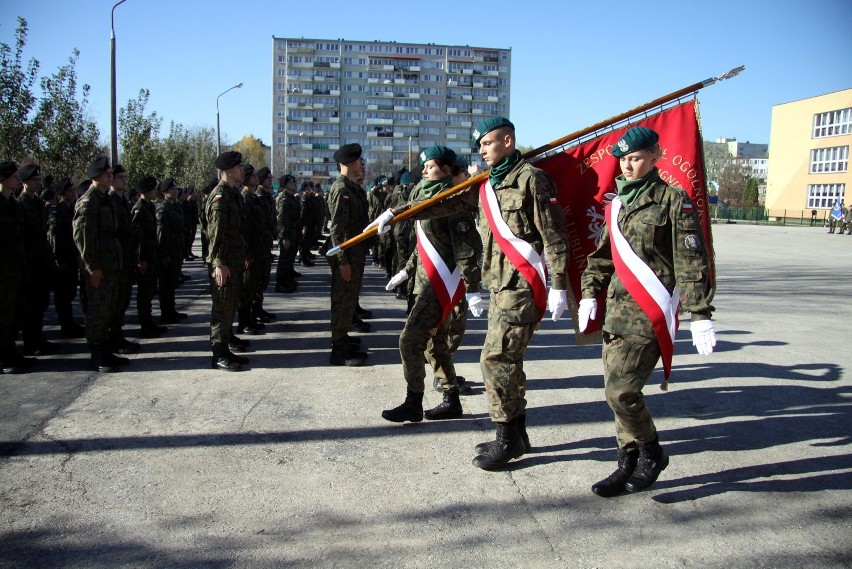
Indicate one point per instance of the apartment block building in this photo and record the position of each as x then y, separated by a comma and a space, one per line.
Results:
809, 162
392, 98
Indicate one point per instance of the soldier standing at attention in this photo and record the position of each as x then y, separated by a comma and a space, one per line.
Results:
66, 258
124, 284
143, 221
39, 260
227, 258
520, 221
310, 212
447, 254
96, 237
170, 236
13, 275
347, 204
252, 229
287, 214
651, 248
264, 192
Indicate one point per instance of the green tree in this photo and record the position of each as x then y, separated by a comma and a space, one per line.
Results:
252, 150
751, 195
716, 156
138, 135
524, 149
67, 139
188, 155
17, 131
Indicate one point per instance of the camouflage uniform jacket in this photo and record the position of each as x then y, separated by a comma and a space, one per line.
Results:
170, 233
524, 196
60, 235
287, 215
252, 226
224, 217
39, 257
96, 232
269, 221
663, 230
12, 236
143, 221
456, 240
347, 204
125, 232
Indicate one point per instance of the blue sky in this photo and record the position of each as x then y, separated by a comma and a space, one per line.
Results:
574, 63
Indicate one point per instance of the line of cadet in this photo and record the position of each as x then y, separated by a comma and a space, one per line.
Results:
100, 238
843, 223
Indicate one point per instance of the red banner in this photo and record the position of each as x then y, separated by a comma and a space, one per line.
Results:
585, 173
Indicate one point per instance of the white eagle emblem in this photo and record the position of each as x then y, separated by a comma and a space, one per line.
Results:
475, 134
623, 146
596, 223
423, 156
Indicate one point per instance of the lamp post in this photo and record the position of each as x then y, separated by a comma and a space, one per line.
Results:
218, 136
113, 127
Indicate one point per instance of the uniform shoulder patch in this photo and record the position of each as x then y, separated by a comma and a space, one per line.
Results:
692, 243
463, 227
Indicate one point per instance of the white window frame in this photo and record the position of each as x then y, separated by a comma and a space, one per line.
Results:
833, 123
823, 196
829, 160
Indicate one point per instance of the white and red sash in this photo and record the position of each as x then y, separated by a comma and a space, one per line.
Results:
646, 289
520, 253
448, 285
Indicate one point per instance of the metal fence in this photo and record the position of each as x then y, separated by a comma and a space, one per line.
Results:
761, 215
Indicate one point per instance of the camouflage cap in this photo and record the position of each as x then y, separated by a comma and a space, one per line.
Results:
485, 126
636, 138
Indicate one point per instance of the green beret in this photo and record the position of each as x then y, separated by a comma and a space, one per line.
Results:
63, 186
485, 126
30, 171
97, 167
7, 169
405, 179
146, 184
166, 185
348, 153
437, 152
228, 160
262, 174
636, 138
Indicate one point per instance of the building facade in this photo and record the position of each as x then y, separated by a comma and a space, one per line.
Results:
391, 98
809, 163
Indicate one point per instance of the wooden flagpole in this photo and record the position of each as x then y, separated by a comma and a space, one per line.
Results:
475, 180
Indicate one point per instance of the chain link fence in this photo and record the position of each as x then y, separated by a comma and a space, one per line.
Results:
760, 215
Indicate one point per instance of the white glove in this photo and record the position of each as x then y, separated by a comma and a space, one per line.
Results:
381, 222
587, 311
474, 302
557, 300
703, 336
397, 279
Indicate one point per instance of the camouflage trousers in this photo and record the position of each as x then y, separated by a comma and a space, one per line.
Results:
512, 319
145, 289
11, 307
100, 307
422, 334
344, 296
628, 362
124, 289
251, 282
264, 274
169, 281
226, 298
64, 292
456, 325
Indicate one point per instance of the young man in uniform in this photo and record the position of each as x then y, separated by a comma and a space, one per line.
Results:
521, 226
124, 285
170, 236
651, 249
143, 221
287, 215
267, 201
66, 258
347, 203
252, 228
227, 258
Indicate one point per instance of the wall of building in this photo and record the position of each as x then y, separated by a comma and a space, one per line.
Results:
792, 141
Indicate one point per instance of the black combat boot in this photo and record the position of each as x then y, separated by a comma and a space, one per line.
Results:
234, 357
343, 354
613, 484
147, 328
97, 361
12, 362
121, 345
506, 446
450, 409
221, 359
652, 460
522, 428
109, 358
410, 410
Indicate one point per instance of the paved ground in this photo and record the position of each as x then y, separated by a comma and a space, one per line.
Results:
171, 464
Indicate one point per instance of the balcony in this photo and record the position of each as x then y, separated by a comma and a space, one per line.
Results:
380, 121
372, 80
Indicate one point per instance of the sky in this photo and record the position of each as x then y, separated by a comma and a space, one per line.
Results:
574, 64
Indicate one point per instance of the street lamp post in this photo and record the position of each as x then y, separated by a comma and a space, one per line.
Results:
218, 135
113, 127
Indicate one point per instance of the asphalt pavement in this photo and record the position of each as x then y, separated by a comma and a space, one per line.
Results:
289, 464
